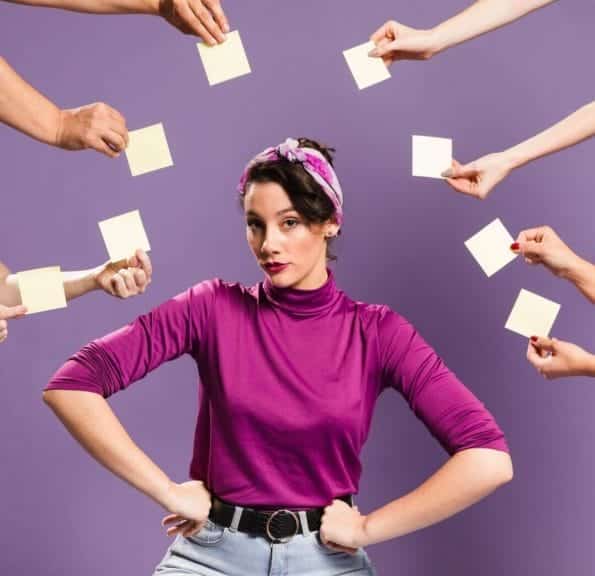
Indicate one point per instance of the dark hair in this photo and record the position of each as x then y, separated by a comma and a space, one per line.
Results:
307, 196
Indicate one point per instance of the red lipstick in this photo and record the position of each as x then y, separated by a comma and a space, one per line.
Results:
275, 267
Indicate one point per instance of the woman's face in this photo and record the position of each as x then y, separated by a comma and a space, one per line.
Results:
291, 252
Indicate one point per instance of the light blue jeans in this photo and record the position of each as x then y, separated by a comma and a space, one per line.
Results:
218, 551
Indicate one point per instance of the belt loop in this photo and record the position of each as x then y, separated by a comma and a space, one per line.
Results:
304, 523
235, 521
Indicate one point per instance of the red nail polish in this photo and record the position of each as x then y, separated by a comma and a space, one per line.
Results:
534, 338
515, 246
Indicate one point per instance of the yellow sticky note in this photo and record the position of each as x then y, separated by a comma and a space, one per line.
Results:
491, 247
147, 150
124, 235
42, 289
532, 315
225, 61
430, 156
366, 70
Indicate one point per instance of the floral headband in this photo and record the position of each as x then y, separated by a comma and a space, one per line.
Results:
312, 161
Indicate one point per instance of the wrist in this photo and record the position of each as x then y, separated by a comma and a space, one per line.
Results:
366, 538
437, 41
62, 121
578, 271
590, 365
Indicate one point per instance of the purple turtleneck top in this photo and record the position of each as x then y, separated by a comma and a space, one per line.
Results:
288, 381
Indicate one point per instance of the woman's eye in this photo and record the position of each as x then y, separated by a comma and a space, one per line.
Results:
253, 224
291, 222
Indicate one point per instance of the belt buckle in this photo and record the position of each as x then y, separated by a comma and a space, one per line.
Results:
286, 539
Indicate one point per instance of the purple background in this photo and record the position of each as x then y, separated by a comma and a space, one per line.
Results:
403, 245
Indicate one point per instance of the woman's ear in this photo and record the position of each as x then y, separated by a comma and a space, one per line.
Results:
331, 230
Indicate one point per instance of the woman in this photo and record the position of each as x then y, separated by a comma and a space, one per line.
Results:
290, 370
551, 357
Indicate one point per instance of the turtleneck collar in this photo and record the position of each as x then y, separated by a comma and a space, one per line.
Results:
304, 302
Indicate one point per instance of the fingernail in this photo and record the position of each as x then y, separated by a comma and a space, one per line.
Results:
515, 246
534, 338
447, 173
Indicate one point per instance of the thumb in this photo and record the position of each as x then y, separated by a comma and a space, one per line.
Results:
460, 170
11, 312
384, 48
529, 249
543, 343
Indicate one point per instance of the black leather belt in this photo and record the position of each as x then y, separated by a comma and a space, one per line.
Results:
278, 526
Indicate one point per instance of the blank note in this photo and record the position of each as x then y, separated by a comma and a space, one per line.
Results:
532, 315
226, 61
430, 156
366, 70
124, 235
42, 289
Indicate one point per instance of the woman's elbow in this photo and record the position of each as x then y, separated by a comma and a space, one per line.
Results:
503, 471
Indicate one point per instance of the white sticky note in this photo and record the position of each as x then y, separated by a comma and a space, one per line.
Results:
532, 315
124, 235
42, 289
225, 61
491, 247
147, 150
366, 70
431, 156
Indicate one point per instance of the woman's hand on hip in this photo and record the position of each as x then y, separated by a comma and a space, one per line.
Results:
189, 504
342, 527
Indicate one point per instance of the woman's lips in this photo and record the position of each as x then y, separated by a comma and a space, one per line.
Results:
275, 268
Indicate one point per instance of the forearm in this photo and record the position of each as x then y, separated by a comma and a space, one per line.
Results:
75, 284
481, 17
582, 275
463, 480
26, 109
573, 129
90, 420
98, 6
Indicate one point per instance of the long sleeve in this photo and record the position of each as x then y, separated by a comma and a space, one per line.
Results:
452, 414
112, 363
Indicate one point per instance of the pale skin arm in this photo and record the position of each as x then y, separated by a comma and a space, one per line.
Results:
542, 245
96, 126
90, 420
554, 358
121, 279
203, 18
399, 42
466, 478
478, 178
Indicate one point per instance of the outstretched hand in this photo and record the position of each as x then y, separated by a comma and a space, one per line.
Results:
126, 278
478, 178
96, 126
554, 358
203, 18
543, 246
395, 41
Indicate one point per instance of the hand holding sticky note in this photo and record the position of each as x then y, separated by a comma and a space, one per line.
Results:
491, 247
532, 315
226, 61
430, 156
124, 235
148, 150
42, 289
365, 69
